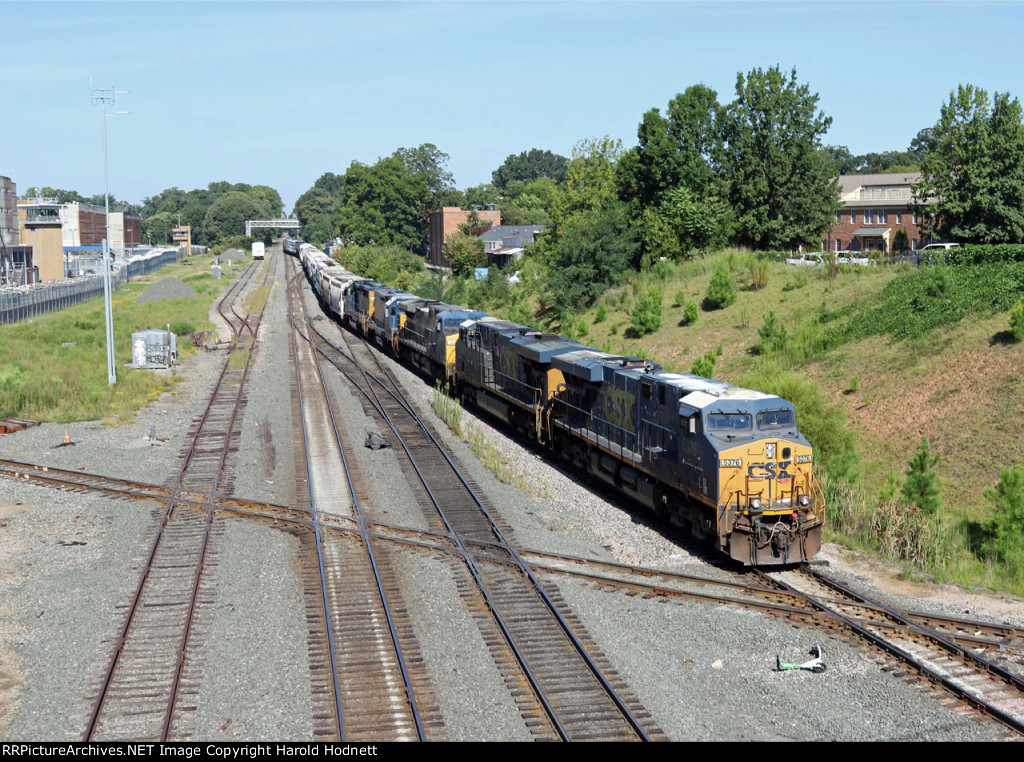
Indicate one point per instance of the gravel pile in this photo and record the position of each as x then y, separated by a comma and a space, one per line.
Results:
166, 288
704, 672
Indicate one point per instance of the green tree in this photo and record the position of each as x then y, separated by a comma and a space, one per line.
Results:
529, 203
690, 312
704, 365
589, 180
972, 173
529, 166
772, 334
227, 216
381, 263
465, 252
382, 204
679, 150
922, 487
588, 257
683, 225
721, 289
646, 317
1004, 529
1017, 321
782, 184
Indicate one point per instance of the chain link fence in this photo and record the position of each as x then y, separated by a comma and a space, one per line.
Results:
20, 302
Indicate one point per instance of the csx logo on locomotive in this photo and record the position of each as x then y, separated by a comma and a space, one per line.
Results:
617, 406
769, 470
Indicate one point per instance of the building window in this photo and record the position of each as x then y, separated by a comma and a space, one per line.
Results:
838, 217
899, 218
883, 216
853, 216
915, 218
837, 244
869, 216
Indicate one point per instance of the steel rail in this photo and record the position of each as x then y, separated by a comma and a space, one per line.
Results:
522, 566
940, 642
172, 501
365, 536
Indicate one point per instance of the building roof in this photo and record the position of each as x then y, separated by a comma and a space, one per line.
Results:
500, 232
850, 183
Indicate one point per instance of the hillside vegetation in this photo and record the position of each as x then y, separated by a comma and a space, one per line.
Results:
876, 359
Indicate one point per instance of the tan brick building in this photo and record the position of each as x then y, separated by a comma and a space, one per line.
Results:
874, 208
57, 231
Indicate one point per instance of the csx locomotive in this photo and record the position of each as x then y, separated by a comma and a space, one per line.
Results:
728, 463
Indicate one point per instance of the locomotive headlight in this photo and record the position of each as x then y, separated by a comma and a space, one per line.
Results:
769, 450
755, 504
804, 500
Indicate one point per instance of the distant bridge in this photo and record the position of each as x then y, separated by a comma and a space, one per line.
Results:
250, 224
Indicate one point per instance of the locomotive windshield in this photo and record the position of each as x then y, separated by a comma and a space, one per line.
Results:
776, 419
728, 421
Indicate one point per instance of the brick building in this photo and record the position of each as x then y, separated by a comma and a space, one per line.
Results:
874, 208
447, 220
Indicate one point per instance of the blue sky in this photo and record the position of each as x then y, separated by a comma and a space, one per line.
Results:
278, 93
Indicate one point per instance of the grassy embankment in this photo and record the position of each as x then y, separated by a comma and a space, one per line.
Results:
42, 380
889, 355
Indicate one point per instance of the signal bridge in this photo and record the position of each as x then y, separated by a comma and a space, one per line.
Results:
288, 224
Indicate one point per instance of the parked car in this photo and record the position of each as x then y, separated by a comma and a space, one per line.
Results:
807, 258
853, 258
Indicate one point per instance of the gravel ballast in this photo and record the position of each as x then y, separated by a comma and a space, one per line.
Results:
704, 672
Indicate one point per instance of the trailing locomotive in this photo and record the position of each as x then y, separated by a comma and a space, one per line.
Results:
729, 463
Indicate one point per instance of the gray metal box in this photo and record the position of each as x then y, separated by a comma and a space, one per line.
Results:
154, 348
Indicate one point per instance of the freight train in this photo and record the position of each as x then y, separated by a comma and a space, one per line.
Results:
725, 462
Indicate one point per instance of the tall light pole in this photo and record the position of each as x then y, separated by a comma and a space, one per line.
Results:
103, 96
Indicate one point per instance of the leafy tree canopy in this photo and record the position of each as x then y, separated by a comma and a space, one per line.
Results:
973, 168
227, 216
589, 179
528, 166
680, 149
781, 184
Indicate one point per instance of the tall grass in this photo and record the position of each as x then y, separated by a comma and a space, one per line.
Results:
53, 367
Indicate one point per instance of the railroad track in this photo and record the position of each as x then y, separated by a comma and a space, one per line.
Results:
364, 651
571, 689
971, 635
983, 684
144, 686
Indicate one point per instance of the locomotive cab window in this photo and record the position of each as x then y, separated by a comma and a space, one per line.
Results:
776, 419
729, 422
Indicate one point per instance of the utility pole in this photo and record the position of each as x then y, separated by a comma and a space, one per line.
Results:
104, 96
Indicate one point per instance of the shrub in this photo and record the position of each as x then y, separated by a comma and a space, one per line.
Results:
690, 312
721, 290
773, 335
704, 366
1004, 530
646, 317
601, 314
680, 298
921, 487
1017, 321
